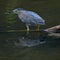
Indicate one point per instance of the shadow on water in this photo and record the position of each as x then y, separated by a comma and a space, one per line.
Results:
22, 38
32, 46
18, 45
27, 40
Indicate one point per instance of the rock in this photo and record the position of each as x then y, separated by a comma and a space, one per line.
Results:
53, 31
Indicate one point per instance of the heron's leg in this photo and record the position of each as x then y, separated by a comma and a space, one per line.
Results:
38, 27
27, 27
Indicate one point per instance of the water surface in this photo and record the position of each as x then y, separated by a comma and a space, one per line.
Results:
10, 47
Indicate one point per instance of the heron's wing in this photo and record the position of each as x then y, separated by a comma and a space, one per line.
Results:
30, 17
35, 17
33, 14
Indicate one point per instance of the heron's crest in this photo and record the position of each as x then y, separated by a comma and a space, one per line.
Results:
20, 9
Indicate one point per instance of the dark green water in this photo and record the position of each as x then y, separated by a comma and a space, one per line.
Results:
9, 42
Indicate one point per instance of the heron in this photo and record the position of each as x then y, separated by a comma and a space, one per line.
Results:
30, 18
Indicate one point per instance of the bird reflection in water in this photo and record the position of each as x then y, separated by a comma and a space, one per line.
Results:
26, 42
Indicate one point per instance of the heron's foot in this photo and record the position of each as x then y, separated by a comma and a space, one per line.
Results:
38, 28
27, 32
28, 29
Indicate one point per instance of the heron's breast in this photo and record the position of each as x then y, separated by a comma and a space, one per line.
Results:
24, 17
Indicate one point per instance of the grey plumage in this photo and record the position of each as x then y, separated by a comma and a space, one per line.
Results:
29, 17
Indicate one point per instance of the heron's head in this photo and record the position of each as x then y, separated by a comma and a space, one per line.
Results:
18, 10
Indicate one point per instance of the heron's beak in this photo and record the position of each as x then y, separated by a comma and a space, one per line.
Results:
15, 11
